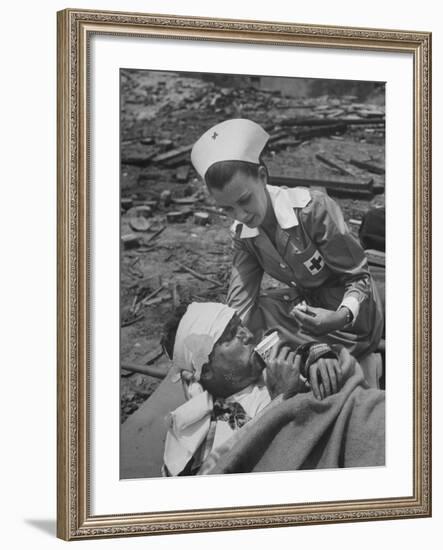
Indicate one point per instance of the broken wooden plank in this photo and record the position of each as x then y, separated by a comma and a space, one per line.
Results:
285, 143
354, 121
178, 216
351, 189
282, 134
152, 294
378, 188
176, 155
320, 131
155, 372
368, 113
137, 156
368, 165
150, 359
131, 319
154, 235
335, 163
149, 297
159, 300
192, 199
199, 275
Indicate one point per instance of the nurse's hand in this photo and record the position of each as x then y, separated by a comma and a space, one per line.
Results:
319, 321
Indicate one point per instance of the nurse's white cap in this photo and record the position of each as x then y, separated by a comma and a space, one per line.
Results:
235, 139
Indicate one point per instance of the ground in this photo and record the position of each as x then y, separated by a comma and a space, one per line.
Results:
162, 112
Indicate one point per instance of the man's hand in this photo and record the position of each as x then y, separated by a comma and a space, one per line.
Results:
283, 372
319, 321
327, 376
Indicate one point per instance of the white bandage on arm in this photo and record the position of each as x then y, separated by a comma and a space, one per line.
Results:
352, 303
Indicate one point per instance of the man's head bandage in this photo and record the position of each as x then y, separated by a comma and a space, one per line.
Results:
235, 139
199, 329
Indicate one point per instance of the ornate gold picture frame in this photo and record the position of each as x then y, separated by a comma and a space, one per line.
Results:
75, 516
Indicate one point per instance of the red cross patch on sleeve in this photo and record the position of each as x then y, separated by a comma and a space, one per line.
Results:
315, 263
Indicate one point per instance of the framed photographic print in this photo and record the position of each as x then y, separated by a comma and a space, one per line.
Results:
243, 274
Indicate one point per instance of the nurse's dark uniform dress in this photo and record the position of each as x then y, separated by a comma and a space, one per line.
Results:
318, 259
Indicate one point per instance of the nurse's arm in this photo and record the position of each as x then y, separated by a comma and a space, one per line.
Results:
341, 251
246, 276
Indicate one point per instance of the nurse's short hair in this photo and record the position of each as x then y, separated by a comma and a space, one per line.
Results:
220, 173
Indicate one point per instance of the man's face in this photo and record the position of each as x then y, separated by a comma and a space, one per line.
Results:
233, 365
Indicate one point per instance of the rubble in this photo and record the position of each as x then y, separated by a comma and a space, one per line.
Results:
178, 216
345, 189
138, 155
349, 120
155, 235
162, 116
139, 223
200, 275
336, 164
368, 165
201, 218
141, 210
126, 203
152, 204
130, 241
156, 372
166, 197
173, 158
191, 199
182, 174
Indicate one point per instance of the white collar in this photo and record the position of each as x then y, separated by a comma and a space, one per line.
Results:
283, 201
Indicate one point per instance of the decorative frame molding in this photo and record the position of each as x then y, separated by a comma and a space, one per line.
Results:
75, 28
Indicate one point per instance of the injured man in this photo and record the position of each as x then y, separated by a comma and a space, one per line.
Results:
283, 409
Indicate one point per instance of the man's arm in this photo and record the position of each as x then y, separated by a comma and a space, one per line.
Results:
326, 370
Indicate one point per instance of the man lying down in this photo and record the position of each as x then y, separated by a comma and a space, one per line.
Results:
300, 409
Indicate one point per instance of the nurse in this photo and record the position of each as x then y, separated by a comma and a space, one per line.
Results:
299, 237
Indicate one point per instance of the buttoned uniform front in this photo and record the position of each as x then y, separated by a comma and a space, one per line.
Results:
319, 260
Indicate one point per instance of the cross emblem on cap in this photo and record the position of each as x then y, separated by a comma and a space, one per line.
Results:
214, 135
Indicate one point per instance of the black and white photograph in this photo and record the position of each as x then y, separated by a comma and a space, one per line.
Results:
252, 274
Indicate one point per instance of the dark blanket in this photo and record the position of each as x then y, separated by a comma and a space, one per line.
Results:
344, 430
